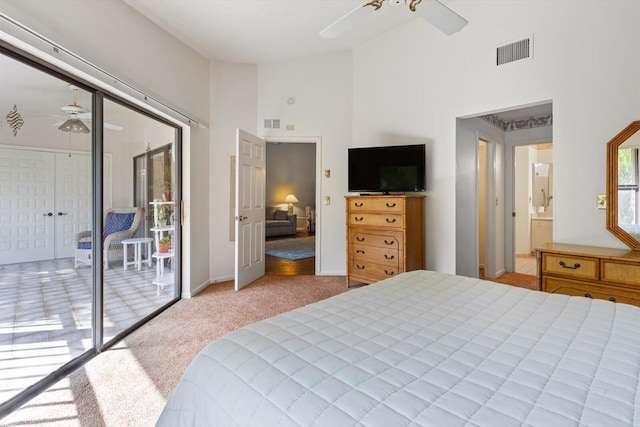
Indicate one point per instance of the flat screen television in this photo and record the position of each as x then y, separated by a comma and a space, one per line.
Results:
390, 169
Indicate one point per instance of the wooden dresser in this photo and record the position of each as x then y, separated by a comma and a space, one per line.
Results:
385, 236
592, 272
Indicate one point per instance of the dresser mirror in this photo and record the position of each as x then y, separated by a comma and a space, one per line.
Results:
623, 196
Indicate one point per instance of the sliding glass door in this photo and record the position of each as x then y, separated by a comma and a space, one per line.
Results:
83, 259
143, 192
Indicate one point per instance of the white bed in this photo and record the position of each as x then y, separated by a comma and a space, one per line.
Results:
422, 348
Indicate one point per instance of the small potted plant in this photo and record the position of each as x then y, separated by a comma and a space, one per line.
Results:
164, 244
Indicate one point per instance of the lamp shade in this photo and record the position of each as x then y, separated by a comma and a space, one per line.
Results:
74, 126
290, 199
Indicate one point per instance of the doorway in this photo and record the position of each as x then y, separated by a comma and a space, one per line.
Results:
533, 203
292, 186
506, 129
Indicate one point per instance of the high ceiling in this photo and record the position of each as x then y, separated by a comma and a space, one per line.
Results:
240, 31
259, 31
262, 31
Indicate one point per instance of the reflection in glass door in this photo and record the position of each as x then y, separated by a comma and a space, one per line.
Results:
141, 278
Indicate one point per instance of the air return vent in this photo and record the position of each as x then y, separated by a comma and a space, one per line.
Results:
272, 123
515, 51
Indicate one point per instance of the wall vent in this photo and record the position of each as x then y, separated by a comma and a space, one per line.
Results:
272, 123
515, 51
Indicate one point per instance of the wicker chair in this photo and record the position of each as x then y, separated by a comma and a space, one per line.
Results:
119, 224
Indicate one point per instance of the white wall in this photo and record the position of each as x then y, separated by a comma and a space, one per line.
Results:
414, 81
468, 131
233, 105
322, 89
118, 39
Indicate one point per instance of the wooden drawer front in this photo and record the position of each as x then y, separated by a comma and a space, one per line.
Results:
375, 254
385, 220
381, 204
389, 240
620, 272
373, 270
590, 290
570, 266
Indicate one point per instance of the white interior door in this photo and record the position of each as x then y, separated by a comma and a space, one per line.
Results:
72, 201
250, 210
26, 205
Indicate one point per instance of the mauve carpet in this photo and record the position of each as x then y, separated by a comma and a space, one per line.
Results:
129, 384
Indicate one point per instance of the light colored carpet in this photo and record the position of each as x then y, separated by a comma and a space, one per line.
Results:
292, 249
129, 384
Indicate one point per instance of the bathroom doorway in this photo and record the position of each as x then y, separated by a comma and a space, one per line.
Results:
533, 203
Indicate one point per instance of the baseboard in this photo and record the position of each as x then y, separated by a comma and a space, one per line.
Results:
197, 289
331, 273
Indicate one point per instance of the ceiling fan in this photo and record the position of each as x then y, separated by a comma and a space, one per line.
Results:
76, 114
439, 15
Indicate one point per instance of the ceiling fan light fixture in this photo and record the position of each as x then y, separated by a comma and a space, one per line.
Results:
74, 126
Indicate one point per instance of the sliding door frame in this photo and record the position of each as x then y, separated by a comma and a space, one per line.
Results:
97, 142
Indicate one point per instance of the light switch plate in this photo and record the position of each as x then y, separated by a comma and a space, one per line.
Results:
327, 173
327, 200
601, 201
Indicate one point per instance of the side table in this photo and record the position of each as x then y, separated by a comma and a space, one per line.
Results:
137, 252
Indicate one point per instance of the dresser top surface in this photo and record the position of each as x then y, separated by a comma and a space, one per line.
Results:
383, 196
599, 252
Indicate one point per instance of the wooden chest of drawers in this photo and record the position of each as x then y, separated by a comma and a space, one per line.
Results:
385, 236
592, 272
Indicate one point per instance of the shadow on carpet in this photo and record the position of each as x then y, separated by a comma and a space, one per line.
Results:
292, 249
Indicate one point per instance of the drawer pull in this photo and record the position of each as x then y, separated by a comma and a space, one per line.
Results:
389, 257
358, 205
612, 299
391, 205
360, 239
360, 251
389, 242
389, 273
391, 221
588, 296
575, 266
358, 218
360, 267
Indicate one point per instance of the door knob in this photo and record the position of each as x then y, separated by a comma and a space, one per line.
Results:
48, 214
62, 213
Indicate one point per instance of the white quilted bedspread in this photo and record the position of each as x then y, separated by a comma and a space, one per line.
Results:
422, 348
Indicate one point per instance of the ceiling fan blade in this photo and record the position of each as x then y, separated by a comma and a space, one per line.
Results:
347, 21
440, 16
106, 125
87, 116
113, 127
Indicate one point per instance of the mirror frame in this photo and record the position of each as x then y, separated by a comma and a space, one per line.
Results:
612, 185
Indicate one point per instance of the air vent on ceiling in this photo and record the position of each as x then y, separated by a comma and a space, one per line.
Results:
272, 123
515, 51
